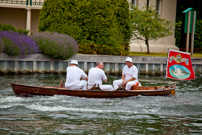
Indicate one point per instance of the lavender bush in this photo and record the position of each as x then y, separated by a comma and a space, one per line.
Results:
59, 46
1, 45
16, 44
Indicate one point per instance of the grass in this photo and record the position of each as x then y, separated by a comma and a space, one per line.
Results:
158, 54
152, 54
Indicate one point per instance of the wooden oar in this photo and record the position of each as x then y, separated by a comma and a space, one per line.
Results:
155, 81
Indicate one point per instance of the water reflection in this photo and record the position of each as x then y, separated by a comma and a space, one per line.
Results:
179, 114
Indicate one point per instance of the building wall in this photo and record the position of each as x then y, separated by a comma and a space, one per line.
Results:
35, 20
13, 16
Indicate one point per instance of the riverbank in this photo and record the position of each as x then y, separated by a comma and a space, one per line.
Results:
40, 63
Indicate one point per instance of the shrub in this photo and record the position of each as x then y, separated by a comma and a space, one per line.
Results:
1, 45
102, 49
16, 44
198, 35
59, 46
5, 27
178, 26
103, 22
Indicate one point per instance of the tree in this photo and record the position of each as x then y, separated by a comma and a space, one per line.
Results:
198, 36
88, 21
147, 25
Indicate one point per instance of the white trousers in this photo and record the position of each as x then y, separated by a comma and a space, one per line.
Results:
82, 85
116, 84
103, 87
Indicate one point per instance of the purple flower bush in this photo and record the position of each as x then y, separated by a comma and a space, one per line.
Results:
1, 45
16, 44
58, 46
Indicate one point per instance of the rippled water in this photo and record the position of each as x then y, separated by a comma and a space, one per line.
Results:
179, 114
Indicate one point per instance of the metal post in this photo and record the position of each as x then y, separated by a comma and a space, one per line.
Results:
187, 42
192, 34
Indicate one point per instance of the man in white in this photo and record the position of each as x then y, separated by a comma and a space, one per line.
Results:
129, 76
76, 77
96, 75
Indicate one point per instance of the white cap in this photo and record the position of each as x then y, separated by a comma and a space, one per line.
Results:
129, 59
74, 62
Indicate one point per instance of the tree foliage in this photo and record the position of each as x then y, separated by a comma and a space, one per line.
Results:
178, 29
88, 21
198, 36
147, 25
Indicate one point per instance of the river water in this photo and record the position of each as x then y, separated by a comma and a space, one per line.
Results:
173, 115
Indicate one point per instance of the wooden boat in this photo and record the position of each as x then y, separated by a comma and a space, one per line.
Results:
95, 92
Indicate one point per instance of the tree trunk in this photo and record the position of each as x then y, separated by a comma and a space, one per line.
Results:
147, 44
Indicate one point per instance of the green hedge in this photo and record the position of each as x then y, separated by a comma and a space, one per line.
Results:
178, 26
198, 35
103, 22
102, 49
8, 27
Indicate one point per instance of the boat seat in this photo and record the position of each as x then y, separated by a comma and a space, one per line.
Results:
139, 88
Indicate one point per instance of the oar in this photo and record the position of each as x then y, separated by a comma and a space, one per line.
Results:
155, 81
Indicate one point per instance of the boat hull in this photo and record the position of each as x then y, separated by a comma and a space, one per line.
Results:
28, 91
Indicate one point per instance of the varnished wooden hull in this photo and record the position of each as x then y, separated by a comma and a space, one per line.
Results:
27, 91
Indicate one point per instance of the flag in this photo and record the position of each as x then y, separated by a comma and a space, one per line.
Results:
179, 66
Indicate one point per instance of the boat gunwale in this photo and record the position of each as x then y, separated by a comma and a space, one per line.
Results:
102, 91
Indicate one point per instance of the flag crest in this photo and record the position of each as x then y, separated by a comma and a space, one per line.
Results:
179, 66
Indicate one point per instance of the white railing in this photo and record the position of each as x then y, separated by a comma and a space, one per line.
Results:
24, 2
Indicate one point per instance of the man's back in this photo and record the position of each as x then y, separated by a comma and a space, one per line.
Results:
73, 75
95, 76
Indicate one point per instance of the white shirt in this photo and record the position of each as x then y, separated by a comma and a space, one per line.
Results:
73, 76
130, 72
95, 76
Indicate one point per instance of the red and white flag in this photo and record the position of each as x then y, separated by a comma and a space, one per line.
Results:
179, 66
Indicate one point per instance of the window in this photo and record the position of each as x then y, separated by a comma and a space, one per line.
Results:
134, 3
158, 6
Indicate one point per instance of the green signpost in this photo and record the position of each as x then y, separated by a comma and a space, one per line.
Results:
190, 22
